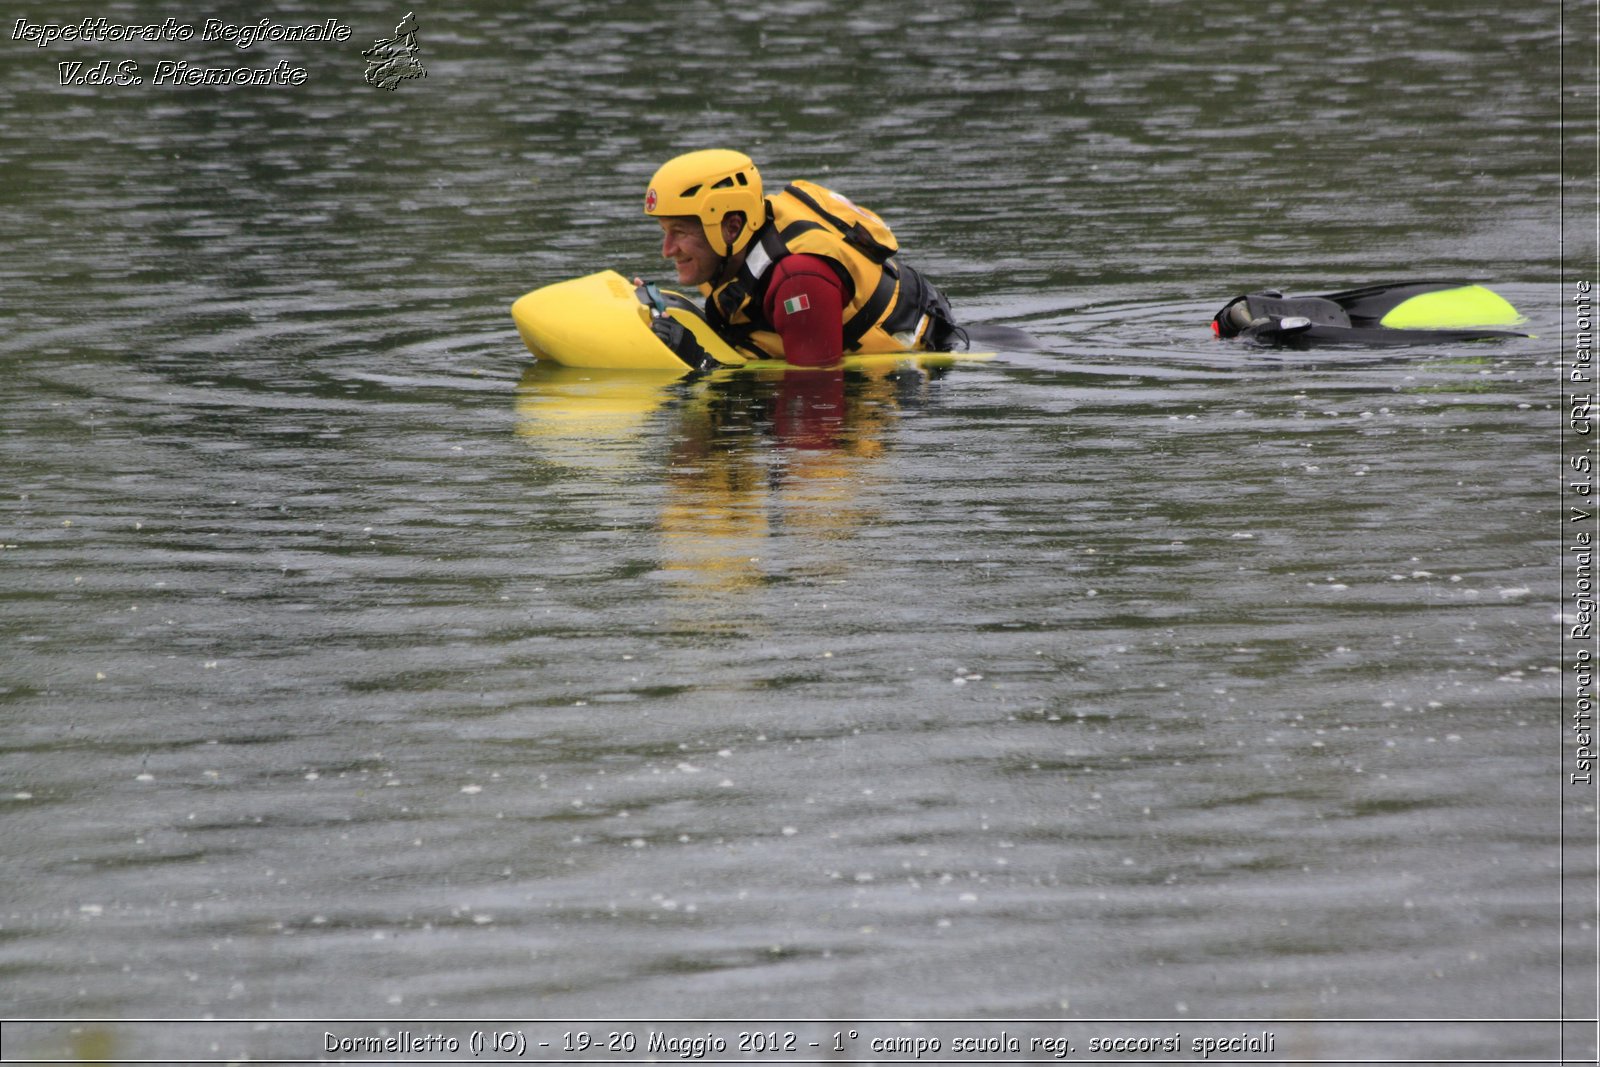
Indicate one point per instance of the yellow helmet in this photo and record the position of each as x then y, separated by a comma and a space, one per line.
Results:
709, 185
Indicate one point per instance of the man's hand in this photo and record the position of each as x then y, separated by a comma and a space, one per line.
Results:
678, 337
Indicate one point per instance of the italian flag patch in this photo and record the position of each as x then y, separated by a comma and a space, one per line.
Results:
795, 305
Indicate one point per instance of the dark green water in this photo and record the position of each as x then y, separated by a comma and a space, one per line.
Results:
356, 669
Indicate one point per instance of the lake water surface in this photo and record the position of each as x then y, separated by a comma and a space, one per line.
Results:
358, 668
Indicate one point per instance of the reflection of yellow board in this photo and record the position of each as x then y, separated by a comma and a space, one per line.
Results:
591, 420
599, 321
573, 402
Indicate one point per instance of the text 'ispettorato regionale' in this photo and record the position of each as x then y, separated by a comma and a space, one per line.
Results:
243, 34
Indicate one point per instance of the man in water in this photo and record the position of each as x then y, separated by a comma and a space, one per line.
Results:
803, 275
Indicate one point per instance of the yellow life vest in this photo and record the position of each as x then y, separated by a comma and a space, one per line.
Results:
888, 306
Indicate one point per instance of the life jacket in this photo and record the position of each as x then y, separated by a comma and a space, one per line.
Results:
888, 306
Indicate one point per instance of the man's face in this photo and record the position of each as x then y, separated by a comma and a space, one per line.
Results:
683, 241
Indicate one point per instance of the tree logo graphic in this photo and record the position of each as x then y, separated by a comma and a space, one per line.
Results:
394, 60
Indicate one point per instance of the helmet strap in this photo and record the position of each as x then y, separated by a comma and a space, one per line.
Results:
725, 266
725, 260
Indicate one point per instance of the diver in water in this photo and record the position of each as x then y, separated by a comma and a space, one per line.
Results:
803, 275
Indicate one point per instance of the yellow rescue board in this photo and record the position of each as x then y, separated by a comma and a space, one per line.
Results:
595, 321
599, 322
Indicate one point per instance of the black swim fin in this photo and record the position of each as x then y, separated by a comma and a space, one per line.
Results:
1406, 313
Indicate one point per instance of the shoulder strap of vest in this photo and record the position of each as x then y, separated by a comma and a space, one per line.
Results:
853, 232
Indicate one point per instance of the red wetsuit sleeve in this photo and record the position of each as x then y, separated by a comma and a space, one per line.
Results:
805, 304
